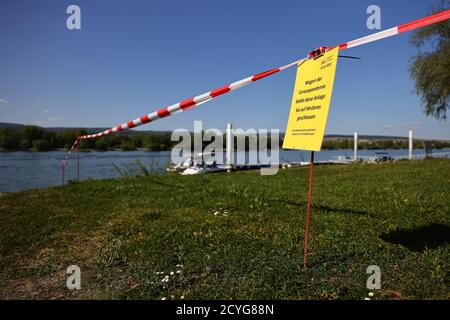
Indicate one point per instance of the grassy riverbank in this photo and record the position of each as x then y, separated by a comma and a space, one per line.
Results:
236, 235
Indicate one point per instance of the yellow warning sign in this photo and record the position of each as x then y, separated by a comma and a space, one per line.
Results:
310, 102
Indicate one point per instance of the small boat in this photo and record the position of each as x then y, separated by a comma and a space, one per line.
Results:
203, 169
195, 164
381, 157
192, 161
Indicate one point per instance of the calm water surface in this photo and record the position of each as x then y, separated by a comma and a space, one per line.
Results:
23, 170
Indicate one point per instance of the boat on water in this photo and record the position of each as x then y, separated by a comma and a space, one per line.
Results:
382, 157
188, 162
196, 164
203, 169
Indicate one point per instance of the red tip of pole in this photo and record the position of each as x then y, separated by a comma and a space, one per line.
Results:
318, 51
438, 17
308, 212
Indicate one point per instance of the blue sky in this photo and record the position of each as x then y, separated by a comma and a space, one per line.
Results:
133, 57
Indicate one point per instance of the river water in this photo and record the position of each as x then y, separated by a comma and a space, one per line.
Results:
23, 170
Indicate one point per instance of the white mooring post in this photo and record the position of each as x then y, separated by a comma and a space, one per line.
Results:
410, 154
230, 148
355, 146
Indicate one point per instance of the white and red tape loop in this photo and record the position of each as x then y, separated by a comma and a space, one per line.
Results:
208, 96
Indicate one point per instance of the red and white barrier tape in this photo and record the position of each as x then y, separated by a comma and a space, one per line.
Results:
208, 96
66, 158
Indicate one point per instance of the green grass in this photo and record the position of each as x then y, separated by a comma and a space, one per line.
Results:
123, 232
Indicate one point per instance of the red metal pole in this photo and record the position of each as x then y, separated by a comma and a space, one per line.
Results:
78, 160
308, 211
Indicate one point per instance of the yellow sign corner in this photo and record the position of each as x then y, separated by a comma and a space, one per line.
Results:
311, 102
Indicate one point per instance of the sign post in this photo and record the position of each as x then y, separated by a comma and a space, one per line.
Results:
309, 112
78, 160
308, 211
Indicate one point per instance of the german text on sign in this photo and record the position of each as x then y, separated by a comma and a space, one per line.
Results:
310, 102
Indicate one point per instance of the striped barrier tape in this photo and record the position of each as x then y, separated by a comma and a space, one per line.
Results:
66, 158
208, 96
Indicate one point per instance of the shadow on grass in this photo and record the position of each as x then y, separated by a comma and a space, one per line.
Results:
430, 236
323, 208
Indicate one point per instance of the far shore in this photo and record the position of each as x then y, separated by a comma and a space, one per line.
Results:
144, 149
81, 150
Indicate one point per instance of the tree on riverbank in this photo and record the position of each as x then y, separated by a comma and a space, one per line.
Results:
430, 69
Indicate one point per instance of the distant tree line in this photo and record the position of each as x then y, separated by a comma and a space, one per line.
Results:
37, 138
380, 144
